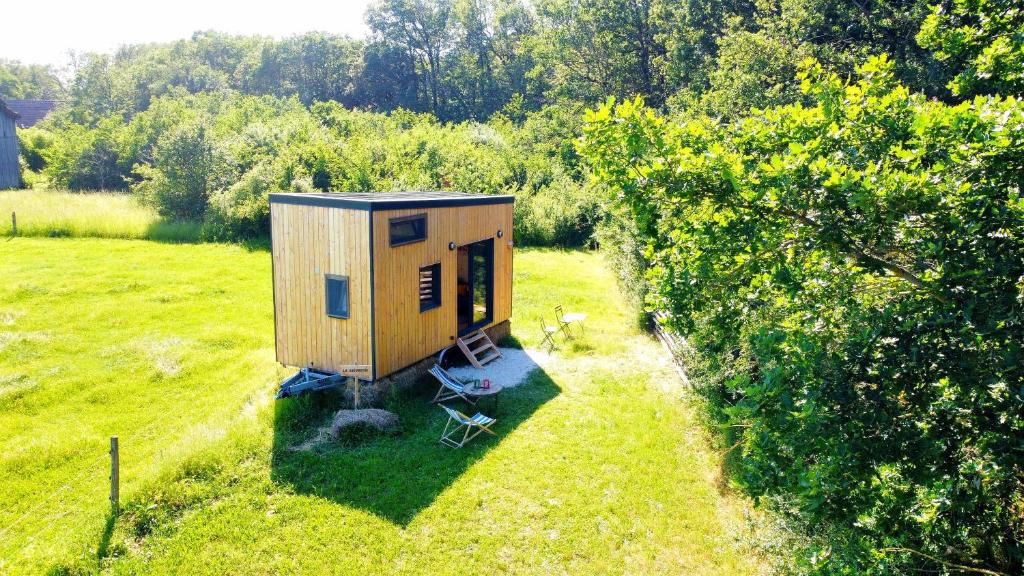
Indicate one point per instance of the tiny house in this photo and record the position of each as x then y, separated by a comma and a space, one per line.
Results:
386, 280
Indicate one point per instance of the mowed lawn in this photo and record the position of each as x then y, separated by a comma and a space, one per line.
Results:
599, 466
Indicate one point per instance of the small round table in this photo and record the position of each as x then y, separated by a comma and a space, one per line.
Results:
479, 393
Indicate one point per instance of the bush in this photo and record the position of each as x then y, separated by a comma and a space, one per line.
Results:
562, 214
242, 210
33, 142
30, 179
215, 157
83, 158
850, 276
187, 166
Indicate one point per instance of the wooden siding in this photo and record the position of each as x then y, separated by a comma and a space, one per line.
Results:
309, 242
404, 335
10, 172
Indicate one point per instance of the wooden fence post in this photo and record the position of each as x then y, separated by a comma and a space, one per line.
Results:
14, 224
114, 476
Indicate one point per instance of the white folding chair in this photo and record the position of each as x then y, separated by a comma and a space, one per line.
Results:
566, 321
466, 427
549, 332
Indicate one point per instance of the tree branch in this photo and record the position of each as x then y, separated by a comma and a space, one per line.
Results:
959, 567
865, 256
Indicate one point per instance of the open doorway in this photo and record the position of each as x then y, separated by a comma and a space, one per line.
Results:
475, 285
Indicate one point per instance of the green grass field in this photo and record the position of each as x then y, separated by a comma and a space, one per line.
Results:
87, 214
599, 467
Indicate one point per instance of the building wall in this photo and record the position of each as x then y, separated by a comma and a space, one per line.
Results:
10, 173
309, 242
404, 335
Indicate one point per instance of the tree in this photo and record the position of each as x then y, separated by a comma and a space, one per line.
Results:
592, 49
849, 274
752, 70
187, 168
29, 81
423, 29
982, 41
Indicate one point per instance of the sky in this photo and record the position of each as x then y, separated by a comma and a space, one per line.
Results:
44, 33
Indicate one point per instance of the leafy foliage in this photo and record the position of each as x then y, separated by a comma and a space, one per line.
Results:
983, 41
468, 59
215, 157
19, 80
853, 272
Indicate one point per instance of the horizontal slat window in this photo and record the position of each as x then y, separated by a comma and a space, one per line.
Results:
430, 287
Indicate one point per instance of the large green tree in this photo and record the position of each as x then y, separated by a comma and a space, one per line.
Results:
591, 49
850, 274
423, 30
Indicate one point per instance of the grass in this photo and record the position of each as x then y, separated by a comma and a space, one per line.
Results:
87, 214
598, 466
162, 344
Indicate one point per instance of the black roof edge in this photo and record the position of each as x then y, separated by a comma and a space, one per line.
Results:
381, 205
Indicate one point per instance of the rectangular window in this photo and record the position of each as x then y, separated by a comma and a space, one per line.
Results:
430, 287
337, 296
408, 229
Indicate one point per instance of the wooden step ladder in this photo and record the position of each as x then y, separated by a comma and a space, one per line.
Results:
478, 348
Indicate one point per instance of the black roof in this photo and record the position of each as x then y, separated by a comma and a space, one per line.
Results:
31, 112
376, 201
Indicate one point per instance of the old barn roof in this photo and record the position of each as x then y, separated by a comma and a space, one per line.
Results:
30, 112
7, 111
373, 201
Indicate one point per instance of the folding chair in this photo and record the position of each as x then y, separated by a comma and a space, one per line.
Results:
451, 387
548, 332
565, 321
465, 425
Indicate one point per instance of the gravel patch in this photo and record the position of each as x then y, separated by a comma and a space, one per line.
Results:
510, 370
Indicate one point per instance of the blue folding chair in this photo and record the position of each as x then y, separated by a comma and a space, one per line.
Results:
451, 387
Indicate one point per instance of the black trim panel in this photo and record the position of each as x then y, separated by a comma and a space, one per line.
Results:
380, 205
373, 307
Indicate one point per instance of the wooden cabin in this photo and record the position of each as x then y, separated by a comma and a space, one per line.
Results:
10, 170
386, 280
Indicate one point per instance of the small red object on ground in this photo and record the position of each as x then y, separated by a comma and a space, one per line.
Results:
487, 384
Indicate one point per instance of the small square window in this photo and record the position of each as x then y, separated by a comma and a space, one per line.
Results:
430, 287
337, 296
408, 229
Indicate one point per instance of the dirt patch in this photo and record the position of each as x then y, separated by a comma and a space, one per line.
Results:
345, 420
8, 318
164, 353
13, 338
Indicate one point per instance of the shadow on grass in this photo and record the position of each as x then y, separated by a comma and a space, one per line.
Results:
174, 232
103, 547
393, 476
191, 232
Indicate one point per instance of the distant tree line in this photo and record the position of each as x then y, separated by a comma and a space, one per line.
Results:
32, 81
467, 59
